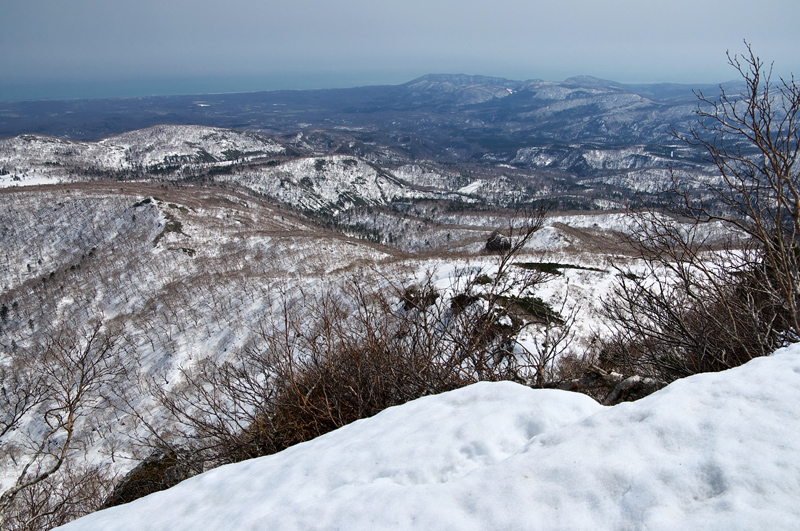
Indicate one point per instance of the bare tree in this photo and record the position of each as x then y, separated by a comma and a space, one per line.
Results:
23, 389
493, 306
552, 341
58, 390
753, 140
708, 303
78, 489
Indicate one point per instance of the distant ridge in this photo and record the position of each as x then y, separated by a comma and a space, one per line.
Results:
599, 110
592, 81
461, 80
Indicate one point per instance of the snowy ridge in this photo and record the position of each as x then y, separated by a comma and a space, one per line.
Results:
34, 159
330, 184
334, 172
712, 451
175, 143
173, 152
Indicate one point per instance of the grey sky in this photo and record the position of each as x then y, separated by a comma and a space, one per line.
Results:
247, 45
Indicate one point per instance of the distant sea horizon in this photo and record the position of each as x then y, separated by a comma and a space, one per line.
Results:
143, 88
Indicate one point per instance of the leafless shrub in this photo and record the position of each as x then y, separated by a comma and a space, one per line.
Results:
355, 350
701, 307
76, 491
543, 358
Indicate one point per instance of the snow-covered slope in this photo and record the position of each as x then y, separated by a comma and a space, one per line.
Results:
184, 143
180, 274
713, 451
36, 159
179, 152
332, 173
326, 183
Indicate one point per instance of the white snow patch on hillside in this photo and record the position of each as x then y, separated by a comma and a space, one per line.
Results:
713, 451
471, 188
16, 180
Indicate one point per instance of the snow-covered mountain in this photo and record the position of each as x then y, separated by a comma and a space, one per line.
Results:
331, 173
713, 451
188, 152
452, 117
169, 144
330, 184
32, 159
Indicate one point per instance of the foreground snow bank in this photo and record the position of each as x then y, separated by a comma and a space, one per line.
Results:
712, 451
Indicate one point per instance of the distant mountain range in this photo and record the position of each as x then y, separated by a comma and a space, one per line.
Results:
441, 116
584, 143
329, 172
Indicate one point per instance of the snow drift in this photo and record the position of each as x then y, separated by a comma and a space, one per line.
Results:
711, 451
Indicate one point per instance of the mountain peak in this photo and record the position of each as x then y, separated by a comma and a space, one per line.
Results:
459, 81
591, 81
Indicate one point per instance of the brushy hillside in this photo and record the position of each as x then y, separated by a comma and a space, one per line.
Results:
177, 278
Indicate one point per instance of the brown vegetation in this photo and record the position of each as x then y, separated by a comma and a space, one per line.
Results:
697, 308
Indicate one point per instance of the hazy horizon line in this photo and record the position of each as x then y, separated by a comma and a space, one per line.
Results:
165, 87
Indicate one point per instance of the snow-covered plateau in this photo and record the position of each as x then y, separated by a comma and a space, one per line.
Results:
712, 451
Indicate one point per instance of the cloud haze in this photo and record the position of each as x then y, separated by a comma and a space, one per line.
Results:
366, 42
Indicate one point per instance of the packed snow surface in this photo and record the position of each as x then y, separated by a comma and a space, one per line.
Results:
713, 451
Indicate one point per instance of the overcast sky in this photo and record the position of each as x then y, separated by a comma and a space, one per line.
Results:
73, 48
